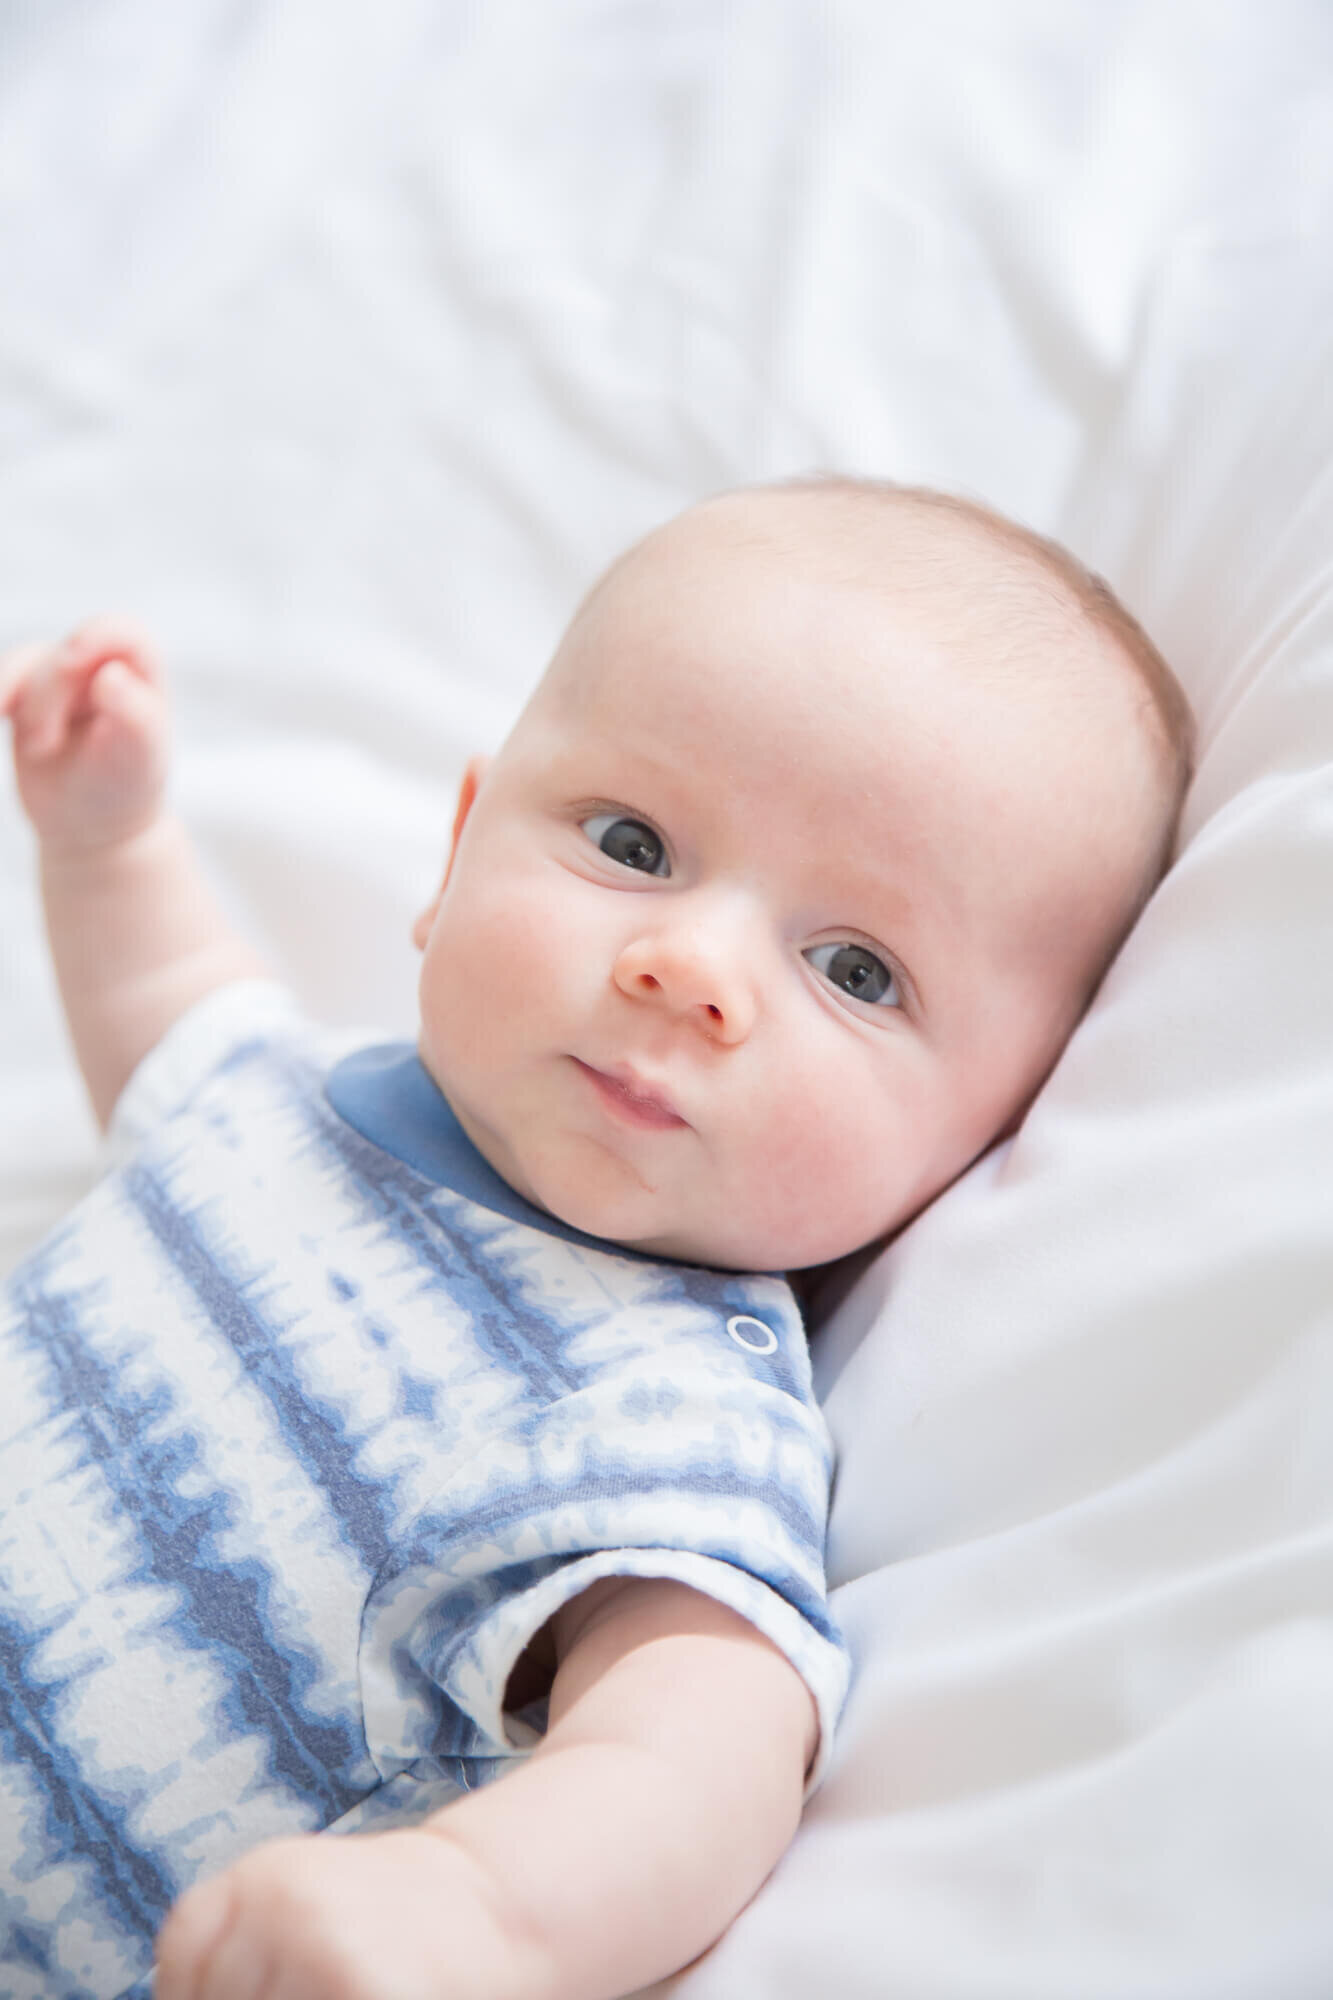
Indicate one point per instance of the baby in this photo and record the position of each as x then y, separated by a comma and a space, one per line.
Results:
389, 1420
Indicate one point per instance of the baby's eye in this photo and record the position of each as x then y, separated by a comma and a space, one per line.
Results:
853, 969
629, 842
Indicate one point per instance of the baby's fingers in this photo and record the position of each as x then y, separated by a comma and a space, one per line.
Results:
115, 690
60, 686
113, 636
190, 1939
16, 669
46, 687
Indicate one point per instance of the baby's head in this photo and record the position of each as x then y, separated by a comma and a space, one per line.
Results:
797, 871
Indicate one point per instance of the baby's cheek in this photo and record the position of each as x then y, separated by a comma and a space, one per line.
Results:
487, 953
838, 1173
463, 1004
784, 1201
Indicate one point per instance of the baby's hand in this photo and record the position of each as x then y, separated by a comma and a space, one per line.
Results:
390, 1916
89, 734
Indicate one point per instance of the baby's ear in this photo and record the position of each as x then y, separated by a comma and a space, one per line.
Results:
477, 768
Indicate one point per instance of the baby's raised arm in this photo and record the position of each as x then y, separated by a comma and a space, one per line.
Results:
136, 935
665, 1791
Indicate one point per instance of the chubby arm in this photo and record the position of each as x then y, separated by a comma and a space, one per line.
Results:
136, 935
666, 1789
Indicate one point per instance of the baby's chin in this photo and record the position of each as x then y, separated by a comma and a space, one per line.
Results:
623, 1224
592, 1189
687, 1244
673, 1246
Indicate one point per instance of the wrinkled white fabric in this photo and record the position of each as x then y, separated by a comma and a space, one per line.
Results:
345, 344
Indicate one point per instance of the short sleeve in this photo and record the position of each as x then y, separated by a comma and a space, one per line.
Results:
242, 1011
721, 1484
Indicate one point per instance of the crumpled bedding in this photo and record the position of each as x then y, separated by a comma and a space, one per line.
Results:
344, 346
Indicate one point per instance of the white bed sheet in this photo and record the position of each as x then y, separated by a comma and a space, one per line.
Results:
345, 344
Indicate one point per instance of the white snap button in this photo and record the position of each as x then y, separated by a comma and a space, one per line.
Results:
751, 1334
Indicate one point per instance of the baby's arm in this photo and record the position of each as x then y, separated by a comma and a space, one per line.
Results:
136, 936
667, 1787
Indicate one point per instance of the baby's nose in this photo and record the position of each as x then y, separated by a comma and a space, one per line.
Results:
690, 972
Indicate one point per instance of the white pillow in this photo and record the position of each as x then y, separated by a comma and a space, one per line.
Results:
1083, 1525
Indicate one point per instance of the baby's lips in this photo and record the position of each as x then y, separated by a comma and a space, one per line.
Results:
643, 1100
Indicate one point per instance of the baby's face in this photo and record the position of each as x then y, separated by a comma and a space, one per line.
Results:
770, 915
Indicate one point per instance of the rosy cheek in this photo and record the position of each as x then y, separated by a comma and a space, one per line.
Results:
839, 1159
469, 966
783, 1183
509, 956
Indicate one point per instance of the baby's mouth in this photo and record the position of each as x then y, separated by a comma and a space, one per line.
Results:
635, 1102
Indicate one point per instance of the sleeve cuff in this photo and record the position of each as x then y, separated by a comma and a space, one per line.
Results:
478, 1678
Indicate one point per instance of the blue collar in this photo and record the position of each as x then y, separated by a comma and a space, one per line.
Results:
389, 1097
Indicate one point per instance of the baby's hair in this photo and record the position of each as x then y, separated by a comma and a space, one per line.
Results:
1089, 594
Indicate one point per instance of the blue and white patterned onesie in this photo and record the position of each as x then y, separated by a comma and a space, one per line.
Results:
308, 1423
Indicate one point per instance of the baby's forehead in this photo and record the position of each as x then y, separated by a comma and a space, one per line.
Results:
795, 593
814, 598
990, 599
827, 695
964, 578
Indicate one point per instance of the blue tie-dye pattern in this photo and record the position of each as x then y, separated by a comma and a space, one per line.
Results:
229, 1302
427, 1298
222, 1606
80, 1824
462, 1263
444, 1636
